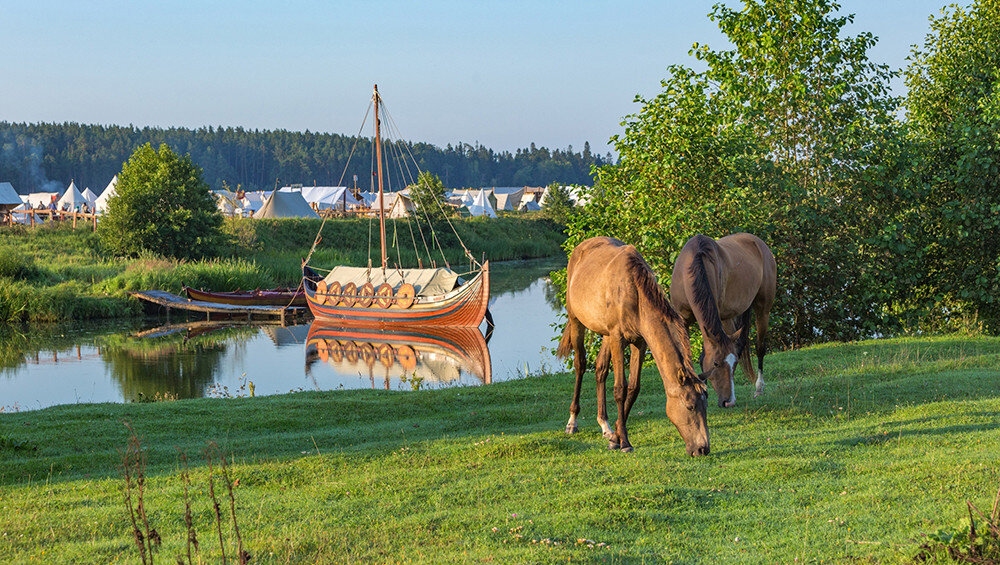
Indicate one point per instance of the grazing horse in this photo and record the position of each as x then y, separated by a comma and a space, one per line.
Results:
719, 283
612, 291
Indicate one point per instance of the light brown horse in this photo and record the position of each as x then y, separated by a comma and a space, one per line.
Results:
612, 291
719, 284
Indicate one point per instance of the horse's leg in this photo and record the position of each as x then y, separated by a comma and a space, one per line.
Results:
620, 439
576, 336
745, 360
763, 316
601, 373
638, 354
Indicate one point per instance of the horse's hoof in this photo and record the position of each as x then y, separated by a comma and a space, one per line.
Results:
627, 449
571, 429
758, 393
614, 446
609, 435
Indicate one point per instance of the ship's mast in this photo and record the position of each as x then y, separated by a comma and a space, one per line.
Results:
378, 157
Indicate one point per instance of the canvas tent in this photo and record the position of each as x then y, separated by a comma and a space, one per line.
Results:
402, 205
481, 206
42, 199
529, 206
509, 200
72, 198
101, 204
90, 196
326, 197
286, 205
9, 199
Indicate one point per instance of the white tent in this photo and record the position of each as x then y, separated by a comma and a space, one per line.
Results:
481, 206
509, 200
286, 205
101, 204
529, 206
90, 196
326, 197
253, 201
9, 199
72, 198
43, 199
402, 205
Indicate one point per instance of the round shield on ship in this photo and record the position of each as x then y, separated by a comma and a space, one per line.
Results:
407, 357
404, 296
323, 348
350, 292
366, 293
367, 354
321, 290
386, 355
334, 290
383, 296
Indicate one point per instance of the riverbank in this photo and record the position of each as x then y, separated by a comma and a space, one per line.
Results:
855, 452
58, 273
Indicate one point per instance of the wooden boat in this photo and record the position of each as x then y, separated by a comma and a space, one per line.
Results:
270, 297
392, 296
435, 353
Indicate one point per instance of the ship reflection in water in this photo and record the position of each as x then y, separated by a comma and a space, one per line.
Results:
412, 357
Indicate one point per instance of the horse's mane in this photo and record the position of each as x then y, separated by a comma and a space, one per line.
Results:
646, 285
645, 282
700, 293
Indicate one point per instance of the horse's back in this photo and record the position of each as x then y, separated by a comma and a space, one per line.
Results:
597, 281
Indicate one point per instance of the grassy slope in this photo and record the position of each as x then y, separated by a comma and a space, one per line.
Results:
854, 452
62, 277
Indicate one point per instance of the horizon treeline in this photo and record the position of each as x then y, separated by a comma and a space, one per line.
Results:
47, 156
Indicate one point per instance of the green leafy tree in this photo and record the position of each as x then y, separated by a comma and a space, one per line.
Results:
559, 204
161, 205
953, 107
428, 196
790, 136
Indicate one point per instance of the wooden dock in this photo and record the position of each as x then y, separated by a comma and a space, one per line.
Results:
171, 301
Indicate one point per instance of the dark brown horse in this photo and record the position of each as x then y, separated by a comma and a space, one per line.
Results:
720, 284
612, 291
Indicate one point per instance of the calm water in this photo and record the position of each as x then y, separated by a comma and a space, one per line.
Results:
123, 362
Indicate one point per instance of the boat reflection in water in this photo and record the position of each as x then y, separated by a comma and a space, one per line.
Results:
418, 355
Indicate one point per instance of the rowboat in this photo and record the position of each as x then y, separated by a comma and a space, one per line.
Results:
431, 353
389, 295
270, 297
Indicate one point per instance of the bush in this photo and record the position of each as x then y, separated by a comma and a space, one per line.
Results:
161, 205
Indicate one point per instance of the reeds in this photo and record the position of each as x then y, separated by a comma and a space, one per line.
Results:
145, 536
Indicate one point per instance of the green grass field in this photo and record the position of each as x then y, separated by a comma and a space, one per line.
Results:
854, 454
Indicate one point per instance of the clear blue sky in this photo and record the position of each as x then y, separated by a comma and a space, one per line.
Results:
504, 74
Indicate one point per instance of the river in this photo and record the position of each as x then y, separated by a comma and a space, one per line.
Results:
150, 360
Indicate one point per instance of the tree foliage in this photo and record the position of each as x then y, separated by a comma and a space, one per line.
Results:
428, 195
953, 107
34, 155
559, 204
161, 205
788, 135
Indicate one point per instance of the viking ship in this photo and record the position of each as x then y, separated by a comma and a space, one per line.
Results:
389, 295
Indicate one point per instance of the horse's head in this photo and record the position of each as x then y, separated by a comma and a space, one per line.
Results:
718, 362
687, 404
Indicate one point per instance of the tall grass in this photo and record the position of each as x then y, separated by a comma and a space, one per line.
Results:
55, 272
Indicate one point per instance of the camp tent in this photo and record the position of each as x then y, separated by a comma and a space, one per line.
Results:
9, 198
326, 197
72, 198
43, 199
481, 206
101, 204
402, 205
90, 196
529, 206
508, 200
286, 205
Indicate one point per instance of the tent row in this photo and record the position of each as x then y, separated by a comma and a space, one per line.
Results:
71, 199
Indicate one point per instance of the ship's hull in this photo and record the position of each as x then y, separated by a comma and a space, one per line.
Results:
464, 306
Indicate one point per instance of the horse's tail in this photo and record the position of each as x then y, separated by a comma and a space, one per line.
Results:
566, 343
